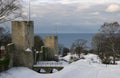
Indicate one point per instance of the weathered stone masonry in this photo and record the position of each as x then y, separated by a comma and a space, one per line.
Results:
22, 38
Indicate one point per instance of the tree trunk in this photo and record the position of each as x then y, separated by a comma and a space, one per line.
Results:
114, 59
114, 52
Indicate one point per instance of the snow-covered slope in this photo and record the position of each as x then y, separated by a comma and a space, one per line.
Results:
85, 68
92, 58
22, 72
68, 57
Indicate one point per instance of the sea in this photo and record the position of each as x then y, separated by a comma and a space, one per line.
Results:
67, 39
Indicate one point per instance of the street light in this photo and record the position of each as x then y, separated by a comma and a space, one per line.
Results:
29, 11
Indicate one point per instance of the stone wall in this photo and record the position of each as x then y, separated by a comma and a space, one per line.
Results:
23, 38
52, 43
10, 51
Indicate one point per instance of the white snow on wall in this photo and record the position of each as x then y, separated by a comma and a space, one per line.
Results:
28, 50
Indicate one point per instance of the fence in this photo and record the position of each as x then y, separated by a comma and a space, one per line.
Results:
49, 64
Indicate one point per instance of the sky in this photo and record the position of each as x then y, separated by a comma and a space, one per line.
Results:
71, 16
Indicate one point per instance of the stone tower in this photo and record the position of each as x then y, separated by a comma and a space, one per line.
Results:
52, 43
23, 38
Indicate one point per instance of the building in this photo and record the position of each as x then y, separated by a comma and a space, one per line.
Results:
23, 38
51, 42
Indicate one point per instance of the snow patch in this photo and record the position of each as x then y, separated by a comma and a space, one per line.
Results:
42, 71
28, 50
54, 70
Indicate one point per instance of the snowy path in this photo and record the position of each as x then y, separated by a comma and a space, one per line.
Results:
83, 69
109, 72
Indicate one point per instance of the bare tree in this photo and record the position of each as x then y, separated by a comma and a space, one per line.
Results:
78, 46
99, 47
62, 50
110, 30
2, 30
5, 37
38, 42
9, 9
97, 43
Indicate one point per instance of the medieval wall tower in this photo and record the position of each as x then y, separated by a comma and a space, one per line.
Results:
52, 43
23, 38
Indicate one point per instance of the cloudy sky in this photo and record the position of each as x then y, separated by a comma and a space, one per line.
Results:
72, 16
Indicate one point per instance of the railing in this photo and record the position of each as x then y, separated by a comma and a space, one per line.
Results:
48, 64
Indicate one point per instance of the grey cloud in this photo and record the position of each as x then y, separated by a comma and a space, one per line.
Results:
77, 17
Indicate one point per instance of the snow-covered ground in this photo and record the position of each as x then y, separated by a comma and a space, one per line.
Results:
90, 67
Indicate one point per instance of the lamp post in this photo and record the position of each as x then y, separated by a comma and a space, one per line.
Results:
57, 50
29, 11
